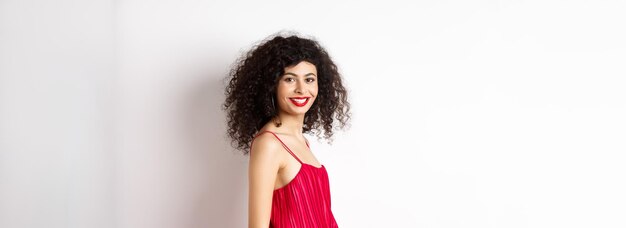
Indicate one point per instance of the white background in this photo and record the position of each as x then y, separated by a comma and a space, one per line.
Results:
465, 113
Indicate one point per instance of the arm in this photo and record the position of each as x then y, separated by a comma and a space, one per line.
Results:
262, 171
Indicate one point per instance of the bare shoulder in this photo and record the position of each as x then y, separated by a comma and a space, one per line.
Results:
265, 149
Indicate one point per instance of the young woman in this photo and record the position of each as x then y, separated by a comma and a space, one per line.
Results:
284, 87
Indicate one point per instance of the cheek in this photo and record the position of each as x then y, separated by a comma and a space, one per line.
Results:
314, 87
281, 90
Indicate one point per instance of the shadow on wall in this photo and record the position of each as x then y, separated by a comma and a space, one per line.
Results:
220, 173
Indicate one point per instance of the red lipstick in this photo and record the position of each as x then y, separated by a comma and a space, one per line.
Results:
299, 101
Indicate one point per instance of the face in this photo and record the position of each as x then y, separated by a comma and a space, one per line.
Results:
297, 89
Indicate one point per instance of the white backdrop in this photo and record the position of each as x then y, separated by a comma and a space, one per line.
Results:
465, 114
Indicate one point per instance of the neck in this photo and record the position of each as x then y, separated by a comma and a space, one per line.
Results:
291, 124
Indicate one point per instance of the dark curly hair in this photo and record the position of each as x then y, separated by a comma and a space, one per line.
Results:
252, 86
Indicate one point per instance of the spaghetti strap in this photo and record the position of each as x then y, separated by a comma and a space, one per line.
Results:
284, 145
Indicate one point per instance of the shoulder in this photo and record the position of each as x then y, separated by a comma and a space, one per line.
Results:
265, 149
265, 140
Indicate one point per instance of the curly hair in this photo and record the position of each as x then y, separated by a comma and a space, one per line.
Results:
253, 81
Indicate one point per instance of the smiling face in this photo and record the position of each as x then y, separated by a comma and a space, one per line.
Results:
297, 89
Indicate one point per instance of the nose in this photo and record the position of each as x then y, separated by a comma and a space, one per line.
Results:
299, 87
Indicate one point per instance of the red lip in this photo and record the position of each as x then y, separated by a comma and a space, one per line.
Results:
299, 104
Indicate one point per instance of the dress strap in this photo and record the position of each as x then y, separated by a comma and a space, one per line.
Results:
284, 145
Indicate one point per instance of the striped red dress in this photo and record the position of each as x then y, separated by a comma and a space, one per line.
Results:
305, 200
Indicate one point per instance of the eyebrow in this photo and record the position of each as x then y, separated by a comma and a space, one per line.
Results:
292, 74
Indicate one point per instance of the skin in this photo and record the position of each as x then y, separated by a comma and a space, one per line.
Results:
271, 166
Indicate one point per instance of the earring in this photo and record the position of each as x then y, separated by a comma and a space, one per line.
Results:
277, 122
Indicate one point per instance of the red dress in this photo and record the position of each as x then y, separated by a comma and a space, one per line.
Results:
305, 200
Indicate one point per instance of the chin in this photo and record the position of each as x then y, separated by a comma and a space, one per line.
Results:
299, 112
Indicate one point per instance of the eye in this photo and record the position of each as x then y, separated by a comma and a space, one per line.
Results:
289, 79
310, 79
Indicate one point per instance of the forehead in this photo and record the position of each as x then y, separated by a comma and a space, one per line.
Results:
301, 69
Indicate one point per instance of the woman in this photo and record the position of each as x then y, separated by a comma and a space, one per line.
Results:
284, 87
